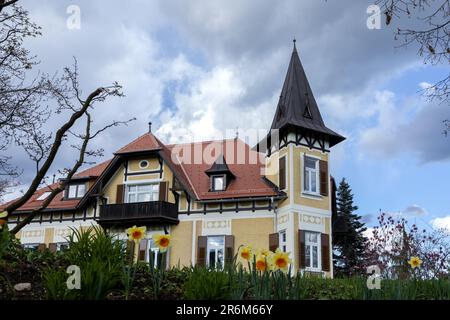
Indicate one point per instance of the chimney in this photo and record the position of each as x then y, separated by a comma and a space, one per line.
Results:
149, 127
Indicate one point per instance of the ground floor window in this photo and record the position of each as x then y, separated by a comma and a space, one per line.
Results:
312, 249
152, 253
62, 246
31, 246
283, 242
215, 252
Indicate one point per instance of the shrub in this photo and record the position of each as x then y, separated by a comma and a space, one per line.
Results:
100, 258
207, 284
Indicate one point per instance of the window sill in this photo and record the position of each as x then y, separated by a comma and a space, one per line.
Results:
314, 272
311, 195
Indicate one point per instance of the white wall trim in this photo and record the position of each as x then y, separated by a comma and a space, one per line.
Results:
226, 215
305, 209
291, 173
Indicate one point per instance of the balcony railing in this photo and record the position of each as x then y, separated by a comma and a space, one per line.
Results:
138, 213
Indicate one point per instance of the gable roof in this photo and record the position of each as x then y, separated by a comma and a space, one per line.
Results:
297, 105
146, 142
246, 166
58, 203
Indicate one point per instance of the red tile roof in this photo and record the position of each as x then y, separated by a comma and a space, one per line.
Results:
58, 202
146, 142
245, 164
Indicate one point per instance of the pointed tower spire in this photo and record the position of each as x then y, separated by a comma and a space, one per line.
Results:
297, 106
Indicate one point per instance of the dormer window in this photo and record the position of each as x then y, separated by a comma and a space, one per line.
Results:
76, 191
43, 196
220, 175
218, 183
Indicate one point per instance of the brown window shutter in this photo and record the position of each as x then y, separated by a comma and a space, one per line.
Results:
229, 249
130, 251
274, 241
142, 249
301, 249
282, 173
163, 191
41, 247
323, 167
325, 242
201, 251
52, 247
119, 193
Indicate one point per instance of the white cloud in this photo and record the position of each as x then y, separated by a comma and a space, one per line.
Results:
425, 85
413, 126
415, 210
441, 223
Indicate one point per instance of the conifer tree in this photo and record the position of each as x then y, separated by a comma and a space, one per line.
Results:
349, 245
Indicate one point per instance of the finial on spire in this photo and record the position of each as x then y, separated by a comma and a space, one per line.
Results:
294, 41
149, 127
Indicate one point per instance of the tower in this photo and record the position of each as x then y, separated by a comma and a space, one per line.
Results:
297, 161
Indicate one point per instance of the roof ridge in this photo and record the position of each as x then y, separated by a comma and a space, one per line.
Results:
135, 140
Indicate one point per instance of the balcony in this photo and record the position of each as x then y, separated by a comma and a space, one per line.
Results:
139, 213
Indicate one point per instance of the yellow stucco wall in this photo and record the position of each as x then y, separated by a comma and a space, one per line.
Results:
111, 188
183, 202
181, 249
295, 254
254, 232
153, 164
321, 202
48, 236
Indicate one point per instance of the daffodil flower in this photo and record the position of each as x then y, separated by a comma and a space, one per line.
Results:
136, 233
3, 214
281, 260
415, 262
162, 241
263, 263
246, 253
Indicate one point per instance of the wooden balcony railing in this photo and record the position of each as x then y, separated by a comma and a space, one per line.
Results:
138, 213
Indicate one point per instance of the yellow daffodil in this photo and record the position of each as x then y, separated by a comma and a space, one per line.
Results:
265, 252
136, 233
415, 262
263, 263
3, 214
246, 253
162, 241
281, 260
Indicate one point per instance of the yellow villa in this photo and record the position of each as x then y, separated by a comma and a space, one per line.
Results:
211, 196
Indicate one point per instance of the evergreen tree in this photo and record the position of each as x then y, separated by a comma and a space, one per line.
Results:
349, 245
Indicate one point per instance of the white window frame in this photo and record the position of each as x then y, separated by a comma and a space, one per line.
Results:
32, 246
282, 242
77, 194
43, 196
224, 182
154, 195
216, 251
60, 244
319, 252
317, 174
154, 249
144, 167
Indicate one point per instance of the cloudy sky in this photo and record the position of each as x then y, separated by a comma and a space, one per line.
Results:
202, 67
